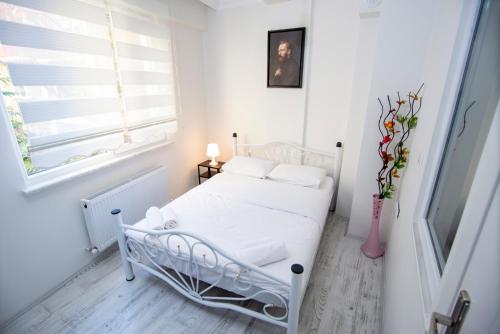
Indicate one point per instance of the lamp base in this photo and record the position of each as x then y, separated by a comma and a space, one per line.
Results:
213, 162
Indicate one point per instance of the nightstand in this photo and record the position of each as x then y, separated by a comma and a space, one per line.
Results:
210, 170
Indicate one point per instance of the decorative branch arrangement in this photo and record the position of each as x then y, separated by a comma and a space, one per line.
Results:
395, 124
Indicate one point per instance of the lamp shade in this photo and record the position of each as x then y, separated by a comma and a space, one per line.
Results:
213, 150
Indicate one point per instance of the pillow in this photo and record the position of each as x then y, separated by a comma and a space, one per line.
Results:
306, 176
247, 166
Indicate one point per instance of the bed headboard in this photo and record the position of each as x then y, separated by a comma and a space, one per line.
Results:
294, 154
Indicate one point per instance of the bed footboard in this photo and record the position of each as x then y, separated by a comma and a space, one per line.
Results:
184, 260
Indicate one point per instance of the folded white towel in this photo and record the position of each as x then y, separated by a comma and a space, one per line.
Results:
168, 214
160, 219
153, 217
262, 252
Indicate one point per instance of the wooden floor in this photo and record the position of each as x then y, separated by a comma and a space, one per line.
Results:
343, 296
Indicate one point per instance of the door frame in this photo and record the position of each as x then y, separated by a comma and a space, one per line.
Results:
430, 279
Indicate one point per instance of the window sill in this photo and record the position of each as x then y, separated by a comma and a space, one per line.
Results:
36, 185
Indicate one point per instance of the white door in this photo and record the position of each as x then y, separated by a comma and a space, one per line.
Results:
482, 276
474, 261
463, 216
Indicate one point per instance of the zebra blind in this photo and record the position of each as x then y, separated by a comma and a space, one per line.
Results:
86, 78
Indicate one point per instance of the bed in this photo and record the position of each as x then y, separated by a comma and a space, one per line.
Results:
223, 213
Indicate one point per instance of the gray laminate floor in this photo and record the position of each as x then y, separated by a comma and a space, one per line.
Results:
343, 296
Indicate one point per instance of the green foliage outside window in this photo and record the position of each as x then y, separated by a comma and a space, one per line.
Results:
9, 92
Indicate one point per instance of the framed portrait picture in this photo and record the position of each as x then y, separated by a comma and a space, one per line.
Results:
285, 57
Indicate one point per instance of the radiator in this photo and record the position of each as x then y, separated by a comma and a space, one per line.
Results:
133, 196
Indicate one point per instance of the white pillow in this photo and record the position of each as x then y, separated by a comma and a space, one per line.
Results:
306, 176
247, 166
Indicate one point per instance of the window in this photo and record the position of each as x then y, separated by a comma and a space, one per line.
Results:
86, 79
475, 108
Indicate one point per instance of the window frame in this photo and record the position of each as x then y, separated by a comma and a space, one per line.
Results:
46, 179
57, 175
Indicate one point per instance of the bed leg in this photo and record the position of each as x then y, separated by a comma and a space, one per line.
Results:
295, 300
120, 235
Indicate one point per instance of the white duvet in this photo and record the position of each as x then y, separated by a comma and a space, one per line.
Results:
230, 210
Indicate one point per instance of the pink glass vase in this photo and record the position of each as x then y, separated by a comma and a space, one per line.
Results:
372, 248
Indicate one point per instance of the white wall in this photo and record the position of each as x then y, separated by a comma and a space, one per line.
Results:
335, 28
43, 236
398, 65
362, 83
236, 65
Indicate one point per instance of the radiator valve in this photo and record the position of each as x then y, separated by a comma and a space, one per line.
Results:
92, 250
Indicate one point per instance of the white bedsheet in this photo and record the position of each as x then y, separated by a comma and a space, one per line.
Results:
230, 210
304, 201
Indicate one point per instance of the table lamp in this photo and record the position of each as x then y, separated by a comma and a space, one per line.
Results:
213, 151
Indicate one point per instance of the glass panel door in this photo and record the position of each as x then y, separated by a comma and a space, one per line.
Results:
477, 102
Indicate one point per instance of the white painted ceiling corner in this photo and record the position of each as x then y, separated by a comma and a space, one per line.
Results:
214, 4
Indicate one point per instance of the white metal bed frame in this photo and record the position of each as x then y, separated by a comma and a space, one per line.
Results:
185, 268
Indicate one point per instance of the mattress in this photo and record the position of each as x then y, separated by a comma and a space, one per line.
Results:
230, 209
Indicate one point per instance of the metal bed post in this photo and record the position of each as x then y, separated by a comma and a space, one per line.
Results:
295, 299
122, 243
235, 144
338, 165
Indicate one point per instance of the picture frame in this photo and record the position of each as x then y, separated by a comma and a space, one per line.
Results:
285, 57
